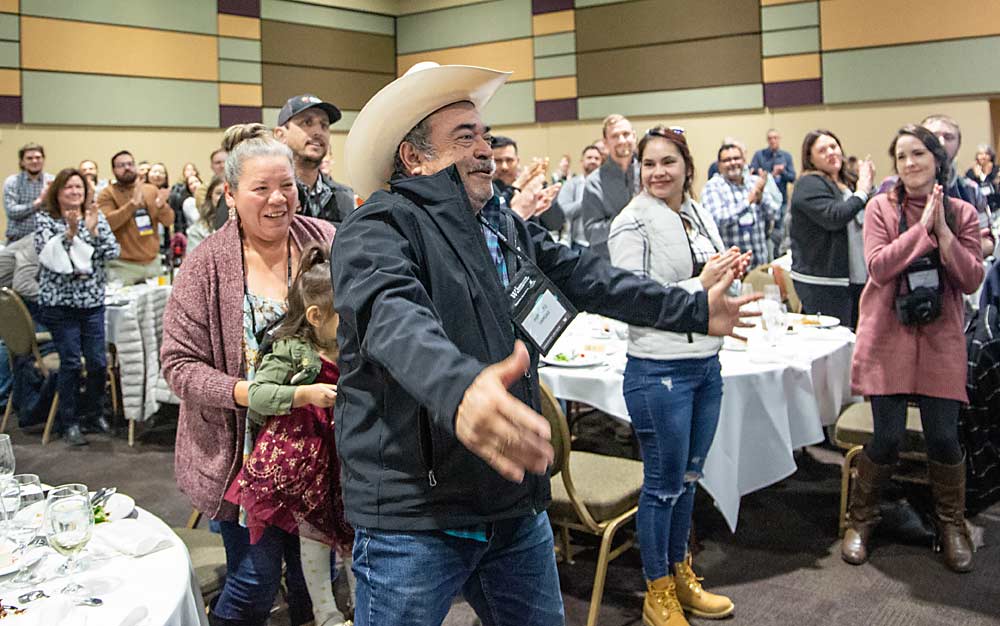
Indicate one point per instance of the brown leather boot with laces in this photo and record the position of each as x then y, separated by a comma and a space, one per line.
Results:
661, 607
694, 598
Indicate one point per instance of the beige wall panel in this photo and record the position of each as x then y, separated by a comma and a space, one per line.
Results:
10, 82
795, 67
347, 90
10, 6
239, 26
864, 129
555, 88
902, 21
237, 94
643, 22
706, 63
326, 47
557, 22
510, 56
102, 49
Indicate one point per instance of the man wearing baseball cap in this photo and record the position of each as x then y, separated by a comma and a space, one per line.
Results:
439, 289
304, 126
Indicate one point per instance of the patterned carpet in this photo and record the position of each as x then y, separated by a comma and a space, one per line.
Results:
782, 566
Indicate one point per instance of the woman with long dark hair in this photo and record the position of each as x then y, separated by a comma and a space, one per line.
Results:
827, 212
665, 235
923, 253
73, 242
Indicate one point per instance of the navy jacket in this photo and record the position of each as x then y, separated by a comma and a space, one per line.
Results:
422, 312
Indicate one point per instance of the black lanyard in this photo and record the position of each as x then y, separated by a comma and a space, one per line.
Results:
246, 290
515, 247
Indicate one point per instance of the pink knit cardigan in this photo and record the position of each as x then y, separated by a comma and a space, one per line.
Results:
890, 358
202, 361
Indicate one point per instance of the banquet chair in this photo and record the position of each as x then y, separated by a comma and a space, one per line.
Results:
605, 498
17, 330
763, 275
855, 428
208, 556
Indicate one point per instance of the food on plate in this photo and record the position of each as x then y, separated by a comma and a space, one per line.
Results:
564, 358
101, 515
809, 320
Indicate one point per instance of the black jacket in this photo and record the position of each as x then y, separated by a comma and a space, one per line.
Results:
819, 227
340, 204
422, 312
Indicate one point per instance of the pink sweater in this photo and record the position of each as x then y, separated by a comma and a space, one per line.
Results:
202, 361
890, 358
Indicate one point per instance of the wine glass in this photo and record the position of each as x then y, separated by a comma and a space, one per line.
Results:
25, 524
68, 522
772, 292
6, 458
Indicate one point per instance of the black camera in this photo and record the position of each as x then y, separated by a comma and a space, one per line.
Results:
922, 303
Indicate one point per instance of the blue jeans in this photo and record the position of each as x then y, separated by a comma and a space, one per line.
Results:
412, 577
253, 573
674, 407
75, 332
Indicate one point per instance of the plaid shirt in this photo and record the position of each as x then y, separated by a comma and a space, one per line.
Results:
740, 223
19, 195
316, 198
491, 213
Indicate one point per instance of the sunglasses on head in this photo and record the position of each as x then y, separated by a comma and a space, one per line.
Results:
662, 132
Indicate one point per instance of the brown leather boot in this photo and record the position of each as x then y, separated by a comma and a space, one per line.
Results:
693, 596
661, 607
948, 487
863, 508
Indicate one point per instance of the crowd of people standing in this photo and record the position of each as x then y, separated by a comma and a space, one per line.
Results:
303, 321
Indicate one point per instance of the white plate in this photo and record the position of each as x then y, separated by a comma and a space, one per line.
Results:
579, 359
825, 321
119, 506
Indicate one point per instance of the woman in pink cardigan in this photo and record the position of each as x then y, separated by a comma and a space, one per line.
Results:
912, 354
230, 289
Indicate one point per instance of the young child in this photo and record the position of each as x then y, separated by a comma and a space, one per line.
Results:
292, 478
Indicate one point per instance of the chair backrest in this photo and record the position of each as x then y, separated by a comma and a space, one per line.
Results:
788, 294
552, 412
16, 327
758, 277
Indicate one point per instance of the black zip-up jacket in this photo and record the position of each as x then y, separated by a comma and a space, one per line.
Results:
422, 312
340, 204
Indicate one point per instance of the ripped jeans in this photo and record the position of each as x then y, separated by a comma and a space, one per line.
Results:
674, 408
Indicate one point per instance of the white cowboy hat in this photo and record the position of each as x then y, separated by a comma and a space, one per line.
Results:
399, 106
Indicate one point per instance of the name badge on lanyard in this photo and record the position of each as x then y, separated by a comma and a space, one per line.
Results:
143, 222
538, 308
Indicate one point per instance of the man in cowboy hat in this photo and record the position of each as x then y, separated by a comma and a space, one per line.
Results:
444, 453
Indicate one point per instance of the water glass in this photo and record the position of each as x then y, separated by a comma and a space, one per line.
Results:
773, 321
6, 458
68, 523
25, 525
772, 292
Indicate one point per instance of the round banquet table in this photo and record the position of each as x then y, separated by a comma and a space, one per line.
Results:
158, 589
775, 398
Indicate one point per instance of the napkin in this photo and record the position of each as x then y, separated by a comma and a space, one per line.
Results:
129, 537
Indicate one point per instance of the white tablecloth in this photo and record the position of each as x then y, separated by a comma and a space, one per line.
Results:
774, 400
163, 583
134, 323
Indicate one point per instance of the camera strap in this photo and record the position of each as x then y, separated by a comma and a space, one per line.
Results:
924, 272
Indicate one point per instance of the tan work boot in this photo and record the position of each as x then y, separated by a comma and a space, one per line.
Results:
694, 598
863, 513
661, 607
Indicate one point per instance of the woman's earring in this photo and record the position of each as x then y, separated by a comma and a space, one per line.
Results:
232, 212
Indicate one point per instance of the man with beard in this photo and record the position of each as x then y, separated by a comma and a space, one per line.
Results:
304, 126
571, 196
133, 213
445, 470
524, 191
22, 192
612, 186
742, 209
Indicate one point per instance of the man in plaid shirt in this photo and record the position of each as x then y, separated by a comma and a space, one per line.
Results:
744, 213
22, 193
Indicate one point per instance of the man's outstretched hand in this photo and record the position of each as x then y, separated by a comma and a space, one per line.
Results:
499, 428
724, 312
